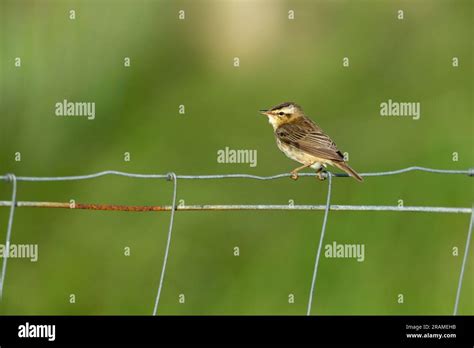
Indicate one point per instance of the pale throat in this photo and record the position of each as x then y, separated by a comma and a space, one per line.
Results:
273, 122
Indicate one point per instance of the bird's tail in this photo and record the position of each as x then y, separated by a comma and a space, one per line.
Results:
345, 167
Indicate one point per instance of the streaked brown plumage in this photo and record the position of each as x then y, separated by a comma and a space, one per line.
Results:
299, 138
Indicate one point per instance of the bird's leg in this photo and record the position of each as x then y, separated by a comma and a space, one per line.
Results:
294, 172
321, 173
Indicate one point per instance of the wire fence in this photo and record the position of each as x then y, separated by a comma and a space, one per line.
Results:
13, 203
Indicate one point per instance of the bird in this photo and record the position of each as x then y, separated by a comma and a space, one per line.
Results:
300, 139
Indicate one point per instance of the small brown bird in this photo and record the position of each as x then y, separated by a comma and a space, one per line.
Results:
300, 139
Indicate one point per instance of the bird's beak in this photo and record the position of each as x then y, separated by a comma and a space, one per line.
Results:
264, 112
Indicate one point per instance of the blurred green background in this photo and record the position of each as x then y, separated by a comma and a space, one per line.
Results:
190, 62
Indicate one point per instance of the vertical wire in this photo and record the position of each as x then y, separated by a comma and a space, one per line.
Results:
464, 261
171, 176
12, 178
318, 254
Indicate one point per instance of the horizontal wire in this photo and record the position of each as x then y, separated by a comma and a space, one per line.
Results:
230, 207
469, 172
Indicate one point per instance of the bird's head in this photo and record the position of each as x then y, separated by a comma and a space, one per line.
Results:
283, 113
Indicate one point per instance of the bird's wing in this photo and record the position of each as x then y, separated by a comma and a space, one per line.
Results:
309, 138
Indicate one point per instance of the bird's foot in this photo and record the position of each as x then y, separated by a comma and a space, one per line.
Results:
321, 175
294, 175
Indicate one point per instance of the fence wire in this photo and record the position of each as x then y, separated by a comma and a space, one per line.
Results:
6, 177
12, 178
171, 176
13, 203
321, 238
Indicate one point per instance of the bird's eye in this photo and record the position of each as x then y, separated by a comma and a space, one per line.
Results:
281, 113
